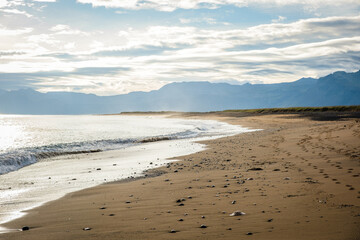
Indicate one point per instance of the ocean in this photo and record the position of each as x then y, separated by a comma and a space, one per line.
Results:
42, 158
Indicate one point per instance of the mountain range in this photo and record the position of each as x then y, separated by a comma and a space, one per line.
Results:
339, 88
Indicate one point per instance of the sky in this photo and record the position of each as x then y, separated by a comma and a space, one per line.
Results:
109, 47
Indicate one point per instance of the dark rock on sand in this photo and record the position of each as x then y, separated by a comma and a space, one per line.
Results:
255, 169
25, 228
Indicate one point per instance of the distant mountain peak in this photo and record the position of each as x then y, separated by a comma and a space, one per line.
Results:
339, 88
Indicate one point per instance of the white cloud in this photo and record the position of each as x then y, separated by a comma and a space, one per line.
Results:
15, 11
315, 29
43, 38
157, 55
279, 19
62, 29
207, 20
171, 5
44, 0
70, 45
3, 3
14, 32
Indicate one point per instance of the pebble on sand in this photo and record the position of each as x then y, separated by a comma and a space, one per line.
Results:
237, 213
25, 228
87, 229
255, 169
203, 226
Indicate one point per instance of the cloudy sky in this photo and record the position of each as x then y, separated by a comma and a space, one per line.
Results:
112, 47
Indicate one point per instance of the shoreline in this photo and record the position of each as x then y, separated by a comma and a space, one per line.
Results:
206, 170
79, 171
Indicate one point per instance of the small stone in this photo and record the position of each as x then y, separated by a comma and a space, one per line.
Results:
25, 228
202, 216
270, 220
287, 178
237, 213
203, 226
173, 231
233, 202
98, 169
255, 169
87, 229
229, 229
127, 202
249, 233
181, 220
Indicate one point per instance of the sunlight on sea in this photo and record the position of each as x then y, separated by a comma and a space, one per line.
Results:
9, 134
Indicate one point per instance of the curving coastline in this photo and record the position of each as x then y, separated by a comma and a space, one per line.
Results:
297, 179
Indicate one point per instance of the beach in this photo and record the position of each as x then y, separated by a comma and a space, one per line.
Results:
298, 178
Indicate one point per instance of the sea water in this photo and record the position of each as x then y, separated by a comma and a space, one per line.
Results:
42, 158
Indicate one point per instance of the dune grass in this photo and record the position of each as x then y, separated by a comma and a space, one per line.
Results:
355, 108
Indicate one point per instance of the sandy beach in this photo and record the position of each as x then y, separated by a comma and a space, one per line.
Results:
299, 178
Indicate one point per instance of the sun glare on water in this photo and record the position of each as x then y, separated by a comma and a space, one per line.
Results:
9, 134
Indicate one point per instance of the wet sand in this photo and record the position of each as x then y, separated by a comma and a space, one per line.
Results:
296, 179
